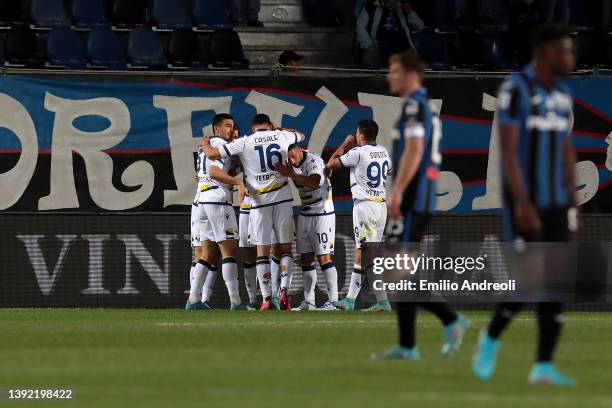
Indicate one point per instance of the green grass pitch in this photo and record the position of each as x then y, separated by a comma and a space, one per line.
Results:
172, 358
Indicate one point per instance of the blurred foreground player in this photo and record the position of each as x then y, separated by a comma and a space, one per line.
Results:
535, 116
370, 165
413, 199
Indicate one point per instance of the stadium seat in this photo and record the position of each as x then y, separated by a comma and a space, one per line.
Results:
184, 50
49, 14
170, 14
590, 49
471, 50
104, 50
21, 48
211, 15
64, 49
144, 49
443, 11
225, 50
12, 13
433, 48
129, 13
579, 16
88, 14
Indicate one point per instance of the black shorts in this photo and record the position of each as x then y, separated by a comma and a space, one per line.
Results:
555, 226
415, 226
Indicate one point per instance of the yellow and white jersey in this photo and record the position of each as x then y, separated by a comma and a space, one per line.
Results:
259, 154
211, 190
370, 166
318, 201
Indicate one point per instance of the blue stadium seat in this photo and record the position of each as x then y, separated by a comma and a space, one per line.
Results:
579, 17
21, 48
64, 49
129, 13
170, 14
444, 11
104, 50
144, 49
433, 48
89, 14
49, 14
211, 15
12, 13
225, 50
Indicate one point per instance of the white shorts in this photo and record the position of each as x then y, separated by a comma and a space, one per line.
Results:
217, 222
244, 231
195, 227
272, 224
369, 219
316, 234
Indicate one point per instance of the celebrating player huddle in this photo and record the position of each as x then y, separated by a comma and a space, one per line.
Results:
268, 158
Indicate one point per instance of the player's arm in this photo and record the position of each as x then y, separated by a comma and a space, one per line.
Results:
211, 152
526, 216
570, 175
218, 174
509, 118
409, 164
313, 181
334, 163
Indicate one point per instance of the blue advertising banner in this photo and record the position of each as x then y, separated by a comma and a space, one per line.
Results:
109, 144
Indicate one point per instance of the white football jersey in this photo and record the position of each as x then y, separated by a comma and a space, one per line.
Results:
211, 190
318, 201
370, 166
259, 154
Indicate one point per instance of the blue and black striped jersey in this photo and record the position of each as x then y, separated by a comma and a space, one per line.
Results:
417, 120
544, 119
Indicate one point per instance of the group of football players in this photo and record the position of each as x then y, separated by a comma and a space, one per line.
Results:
534, 109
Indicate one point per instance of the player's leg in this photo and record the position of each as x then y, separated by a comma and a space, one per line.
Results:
309, 278
202, 267
406, 349
284, 231
195, 241
249, 257
375, 222
210, 253
348, 303
550, 321
309, 273
555, 225
275, 271
225, 229
485, 357
322, 239
261, 234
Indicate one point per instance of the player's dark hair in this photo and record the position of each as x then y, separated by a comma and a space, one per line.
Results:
218, 119
549, 33
369, 129
261, 119
409, 60
293, 146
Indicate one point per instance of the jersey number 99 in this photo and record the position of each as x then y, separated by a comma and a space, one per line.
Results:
378, 176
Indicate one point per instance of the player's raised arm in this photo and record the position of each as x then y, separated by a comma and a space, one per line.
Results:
313, 181
334, 162
211, 152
